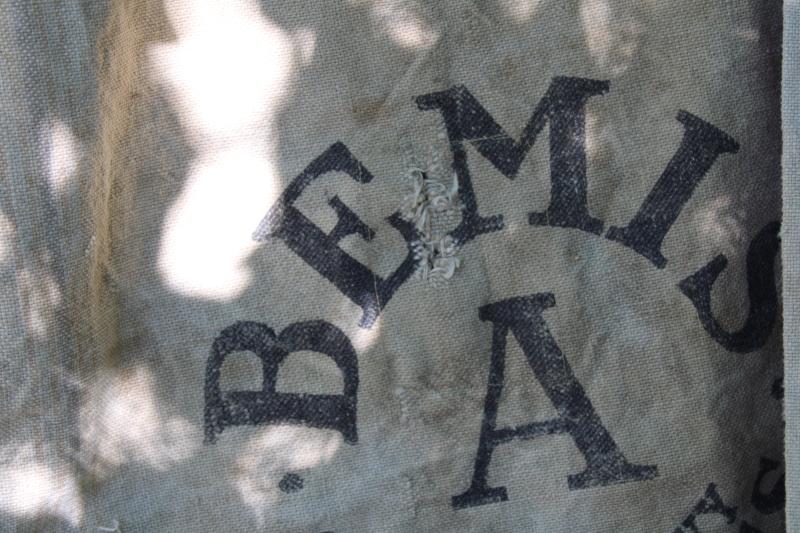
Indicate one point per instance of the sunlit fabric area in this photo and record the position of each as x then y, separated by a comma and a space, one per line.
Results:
399, 265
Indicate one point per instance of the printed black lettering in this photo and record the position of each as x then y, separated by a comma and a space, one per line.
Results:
777, 389
760, 288
291, 482
605, 463
701, 145
563, 106
267, 406
710, 503
322, 252
348, 223
774, 500
744, 527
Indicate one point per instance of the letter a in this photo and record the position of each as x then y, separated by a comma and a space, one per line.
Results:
605, 463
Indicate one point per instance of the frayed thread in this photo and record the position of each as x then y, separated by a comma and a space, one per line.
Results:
433, 208
113, 529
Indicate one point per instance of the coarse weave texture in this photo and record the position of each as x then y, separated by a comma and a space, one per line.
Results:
790, 237
399, 265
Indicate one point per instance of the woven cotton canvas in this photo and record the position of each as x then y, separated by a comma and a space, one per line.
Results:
394, 265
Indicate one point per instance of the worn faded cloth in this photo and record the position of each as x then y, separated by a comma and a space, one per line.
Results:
790, 112
399, 265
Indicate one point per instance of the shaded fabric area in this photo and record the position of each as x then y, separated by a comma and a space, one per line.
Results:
398, 265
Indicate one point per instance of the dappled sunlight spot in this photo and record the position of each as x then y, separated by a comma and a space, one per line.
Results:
612, 38
6, 234
592, 131
31, 487
41, 295
206, 237
229, 67
63, 154
305, 41
601, 138
122, 422
721, 224
362, 339
274, 452
404, 26
227, 73
748, 34
520, 10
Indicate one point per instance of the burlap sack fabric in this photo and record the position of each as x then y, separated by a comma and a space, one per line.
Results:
385, 265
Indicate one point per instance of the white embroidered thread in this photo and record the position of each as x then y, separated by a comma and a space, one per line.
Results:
434, 209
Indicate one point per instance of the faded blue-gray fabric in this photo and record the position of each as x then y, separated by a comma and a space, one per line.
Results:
790, 237
398, 265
